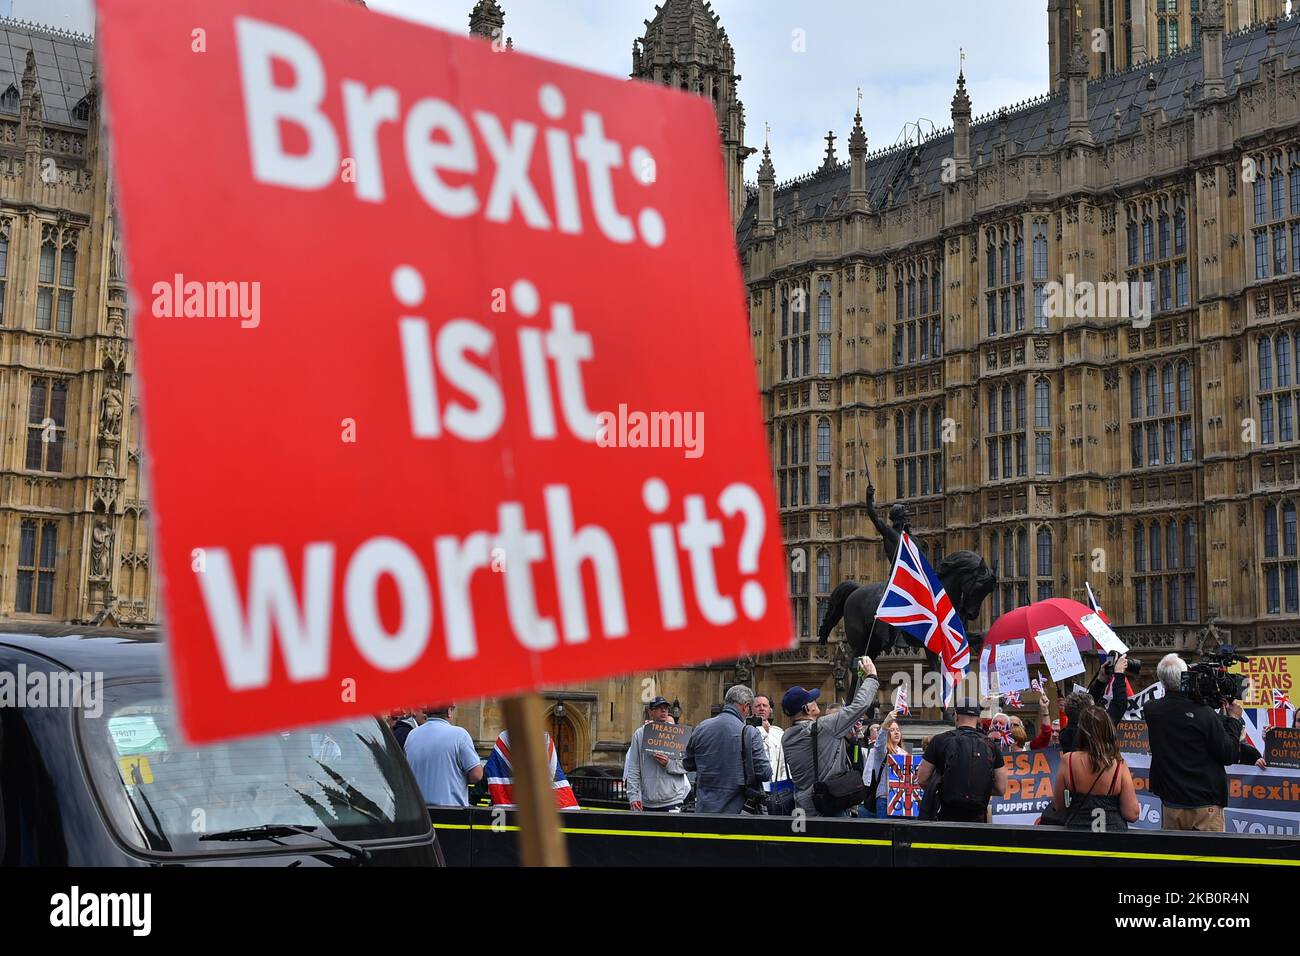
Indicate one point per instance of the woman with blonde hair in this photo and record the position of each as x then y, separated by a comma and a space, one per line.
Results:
888, 742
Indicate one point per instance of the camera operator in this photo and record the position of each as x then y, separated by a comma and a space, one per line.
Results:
1191, 743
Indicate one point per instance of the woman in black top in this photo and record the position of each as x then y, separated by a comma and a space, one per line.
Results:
1094, 788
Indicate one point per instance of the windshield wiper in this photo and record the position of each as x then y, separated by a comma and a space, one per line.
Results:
275, 832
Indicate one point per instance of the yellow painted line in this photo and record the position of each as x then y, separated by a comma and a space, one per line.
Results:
452, 826
676, 835
1109, 854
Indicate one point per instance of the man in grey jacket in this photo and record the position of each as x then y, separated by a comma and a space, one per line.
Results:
654, 781
801, 706
714, 751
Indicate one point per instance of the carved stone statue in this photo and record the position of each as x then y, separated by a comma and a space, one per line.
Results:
101, 549
110, 410
899, 521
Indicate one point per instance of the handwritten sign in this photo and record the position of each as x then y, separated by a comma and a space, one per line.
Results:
667, 740
1013, 672
1060, 653
1101, 632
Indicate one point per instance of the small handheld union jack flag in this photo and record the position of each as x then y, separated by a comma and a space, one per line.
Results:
1280, 715
1039, 685
1012, 699
900, 701
903, 796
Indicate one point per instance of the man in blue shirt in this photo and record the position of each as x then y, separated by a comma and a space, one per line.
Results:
443, 759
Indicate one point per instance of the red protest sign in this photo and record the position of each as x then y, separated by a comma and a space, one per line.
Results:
444, 359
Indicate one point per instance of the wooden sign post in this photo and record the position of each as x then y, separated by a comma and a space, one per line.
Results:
540, 841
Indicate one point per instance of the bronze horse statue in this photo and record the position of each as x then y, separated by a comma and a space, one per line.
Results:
967, 580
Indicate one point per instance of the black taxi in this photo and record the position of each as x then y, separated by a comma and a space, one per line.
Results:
94, 772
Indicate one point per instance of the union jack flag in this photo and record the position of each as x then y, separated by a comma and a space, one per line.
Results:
1280, 715
1038, 685
903, 796
1012, 699
915, 602
500, 776
900, 701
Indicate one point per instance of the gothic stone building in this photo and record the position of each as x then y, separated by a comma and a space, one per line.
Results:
898, 306
1155, 459
74, 534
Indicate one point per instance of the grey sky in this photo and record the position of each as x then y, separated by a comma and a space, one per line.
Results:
903, 55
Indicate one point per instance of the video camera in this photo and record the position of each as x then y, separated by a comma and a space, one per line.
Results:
1208, 682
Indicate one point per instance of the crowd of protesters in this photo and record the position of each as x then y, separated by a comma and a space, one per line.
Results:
833, 763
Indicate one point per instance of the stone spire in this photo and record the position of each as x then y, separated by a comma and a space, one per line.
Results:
830, 162
961, 115
488, 20
766, 196
1212, 49
858, 164
686, 48
1079, 131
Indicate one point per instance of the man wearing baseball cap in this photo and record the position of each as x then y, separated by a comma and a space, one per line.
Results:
831, 760
965, 769
654, 780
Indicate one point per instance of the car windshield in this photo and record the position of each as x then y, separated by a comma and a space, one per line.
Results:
343, 780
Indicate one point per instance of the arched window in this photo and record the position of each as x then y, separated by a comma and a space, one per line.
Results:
11, 99
1157, 552
1288, 529
1040, 248
1139, 547
1283, 360
1265, 363
823, 440
1172, 551
824, 305
1042, 404
1167, 387
1044, 564
1184, 386
1135, 393
823, 572
1022, 553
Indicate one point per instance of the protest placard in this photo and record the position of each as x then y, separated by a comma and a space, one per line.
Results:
1060, 653
461, 466
668, 740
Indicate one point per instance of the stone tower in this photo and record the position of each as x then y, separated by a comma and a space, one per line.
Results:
685, 47
488, 20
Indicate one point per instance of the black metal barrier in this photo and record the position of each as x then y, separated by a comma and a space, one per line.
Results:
479, 836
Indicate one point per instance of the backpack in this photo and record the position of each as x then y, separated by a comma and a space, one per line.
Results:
967, 770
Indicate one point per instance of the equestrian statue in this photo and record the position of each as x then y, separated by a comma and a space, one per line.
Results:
967, 580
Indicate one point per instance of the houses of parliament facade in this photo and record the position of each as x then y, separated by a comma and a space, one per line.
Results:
905, 338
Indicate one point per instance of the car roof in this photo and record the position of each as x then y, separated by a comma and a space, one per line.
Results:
114, 652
